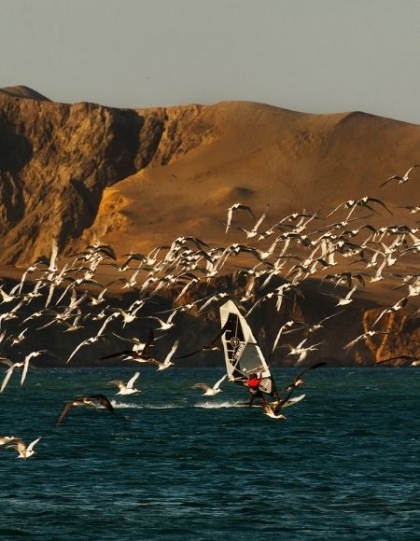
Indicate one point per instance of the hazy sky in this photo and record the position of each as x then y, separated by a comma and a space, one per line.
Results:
317, 56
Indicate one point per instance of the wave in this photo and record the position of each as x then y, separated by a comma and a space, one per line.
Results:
218, 405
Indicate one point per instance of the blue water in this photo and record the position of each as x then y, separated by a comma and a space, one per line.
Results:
171, 464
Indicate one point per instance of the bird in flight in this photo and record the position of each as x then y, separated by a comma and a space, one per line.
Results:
401, 179
210, 391
92, 400
128, 388
235, 208
24, 451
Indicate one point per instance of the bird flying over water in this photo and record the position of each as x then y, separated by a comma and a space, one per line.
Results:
414, 360
163, 365
210, 391
24, 365
24, 451
91, 400
126, 389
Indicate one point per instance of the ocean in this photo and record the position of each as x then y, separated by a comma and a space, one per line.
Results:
172, 464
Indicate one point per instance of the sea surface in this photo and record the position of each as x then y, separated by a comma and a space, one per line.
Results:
171, 464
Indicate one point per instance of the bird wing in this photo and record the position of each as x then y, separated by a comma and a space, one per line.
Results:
18, 444
261, 219
405, 357
203, 386
172, 351
32, 444
132, 380
218, 383
7, 377
394, 177
409, 171
76, 350
210, 345
379, 202
65, 412
24, 370
118, 354
353, 342
103, 400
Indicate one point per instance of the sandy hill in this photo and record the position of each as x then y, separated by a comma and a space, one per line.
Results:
137, 178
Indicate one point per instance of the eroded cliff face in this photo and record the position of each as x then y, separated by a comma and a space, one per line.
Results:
57, 159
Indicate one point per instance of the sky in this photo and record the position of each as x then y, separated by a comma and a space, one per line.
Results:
313, 56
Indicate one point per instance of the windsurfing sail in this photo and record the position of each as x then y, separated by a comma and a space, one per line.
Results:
243, 355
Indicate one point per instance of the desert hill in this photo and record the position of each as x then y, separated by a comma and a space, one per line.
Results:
82, 172
86, 174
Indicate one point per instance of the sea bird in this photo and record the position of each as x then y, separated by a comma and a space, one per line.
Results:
414, 360
235, 208
163, 365
210, 391
91, 400
401, 180
126, 389
24, 451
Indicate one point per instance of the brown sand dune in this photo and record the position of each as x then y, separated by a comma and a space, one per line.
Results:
260, 155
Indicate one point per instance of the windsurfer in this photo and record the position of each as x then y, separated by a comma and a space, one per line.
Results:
253, 383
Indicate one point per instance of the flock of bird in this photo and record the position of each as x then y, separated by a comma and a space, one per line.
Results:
275, 258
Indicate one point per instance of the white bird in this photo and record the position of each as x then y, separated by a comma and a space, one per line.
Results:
342, 301
300, 351
24, 365
401, 180
164, 325
234, 208
24, 451
126, 389
399, 305
254, 231
167, 362
364, 336
87, 342
210, 391
286, 325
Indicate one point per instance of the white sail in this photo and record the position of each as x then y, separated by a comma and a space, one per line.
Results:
243, 355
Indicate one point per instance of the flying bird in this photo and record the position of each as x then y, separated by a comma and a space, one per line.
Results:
401, 179
235, 208
92, 400
24, 451
414, 360
126, 389
364, 336
163, 365
273, 409
139, 350
211, 346
24, 365
210, 391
